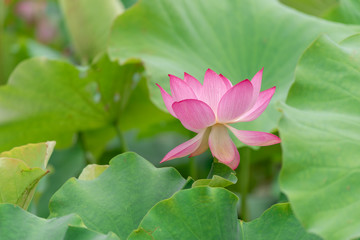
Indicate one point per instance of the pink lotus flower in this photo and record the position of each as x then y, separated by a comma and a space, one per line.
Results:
208, 108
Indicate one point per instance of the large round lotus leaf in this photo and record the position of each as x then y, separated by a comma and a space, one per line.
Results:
120, 197
46, 99
52, 100
197, 213
233, 37
320, 134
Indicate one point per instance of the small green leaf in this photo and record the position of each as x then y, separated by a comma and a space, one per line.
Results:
92, 171
89, 23
216, 181
220, 175
119, 198
20, 171
197, 213
19, 224
189, 183
277, 223
224, 171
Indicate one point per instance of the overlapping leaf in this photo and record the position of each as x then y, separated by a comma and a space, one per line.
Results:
220, 175
197, 213
120, 197
235, 38
320, 137
277, 223
34, 228
135, 200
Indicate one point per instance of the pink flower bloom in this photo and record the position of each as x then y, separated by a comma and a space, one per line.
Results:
208, 108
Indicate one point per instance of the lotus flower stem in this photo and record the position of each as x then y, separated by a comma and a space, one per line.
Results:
212, 168
193, 169
244, 177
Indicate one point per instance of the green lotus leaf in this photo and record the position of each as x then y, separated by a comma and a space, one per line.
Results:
320, 138
197, 213
233, 37
120, 197
50, 99
49, 105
